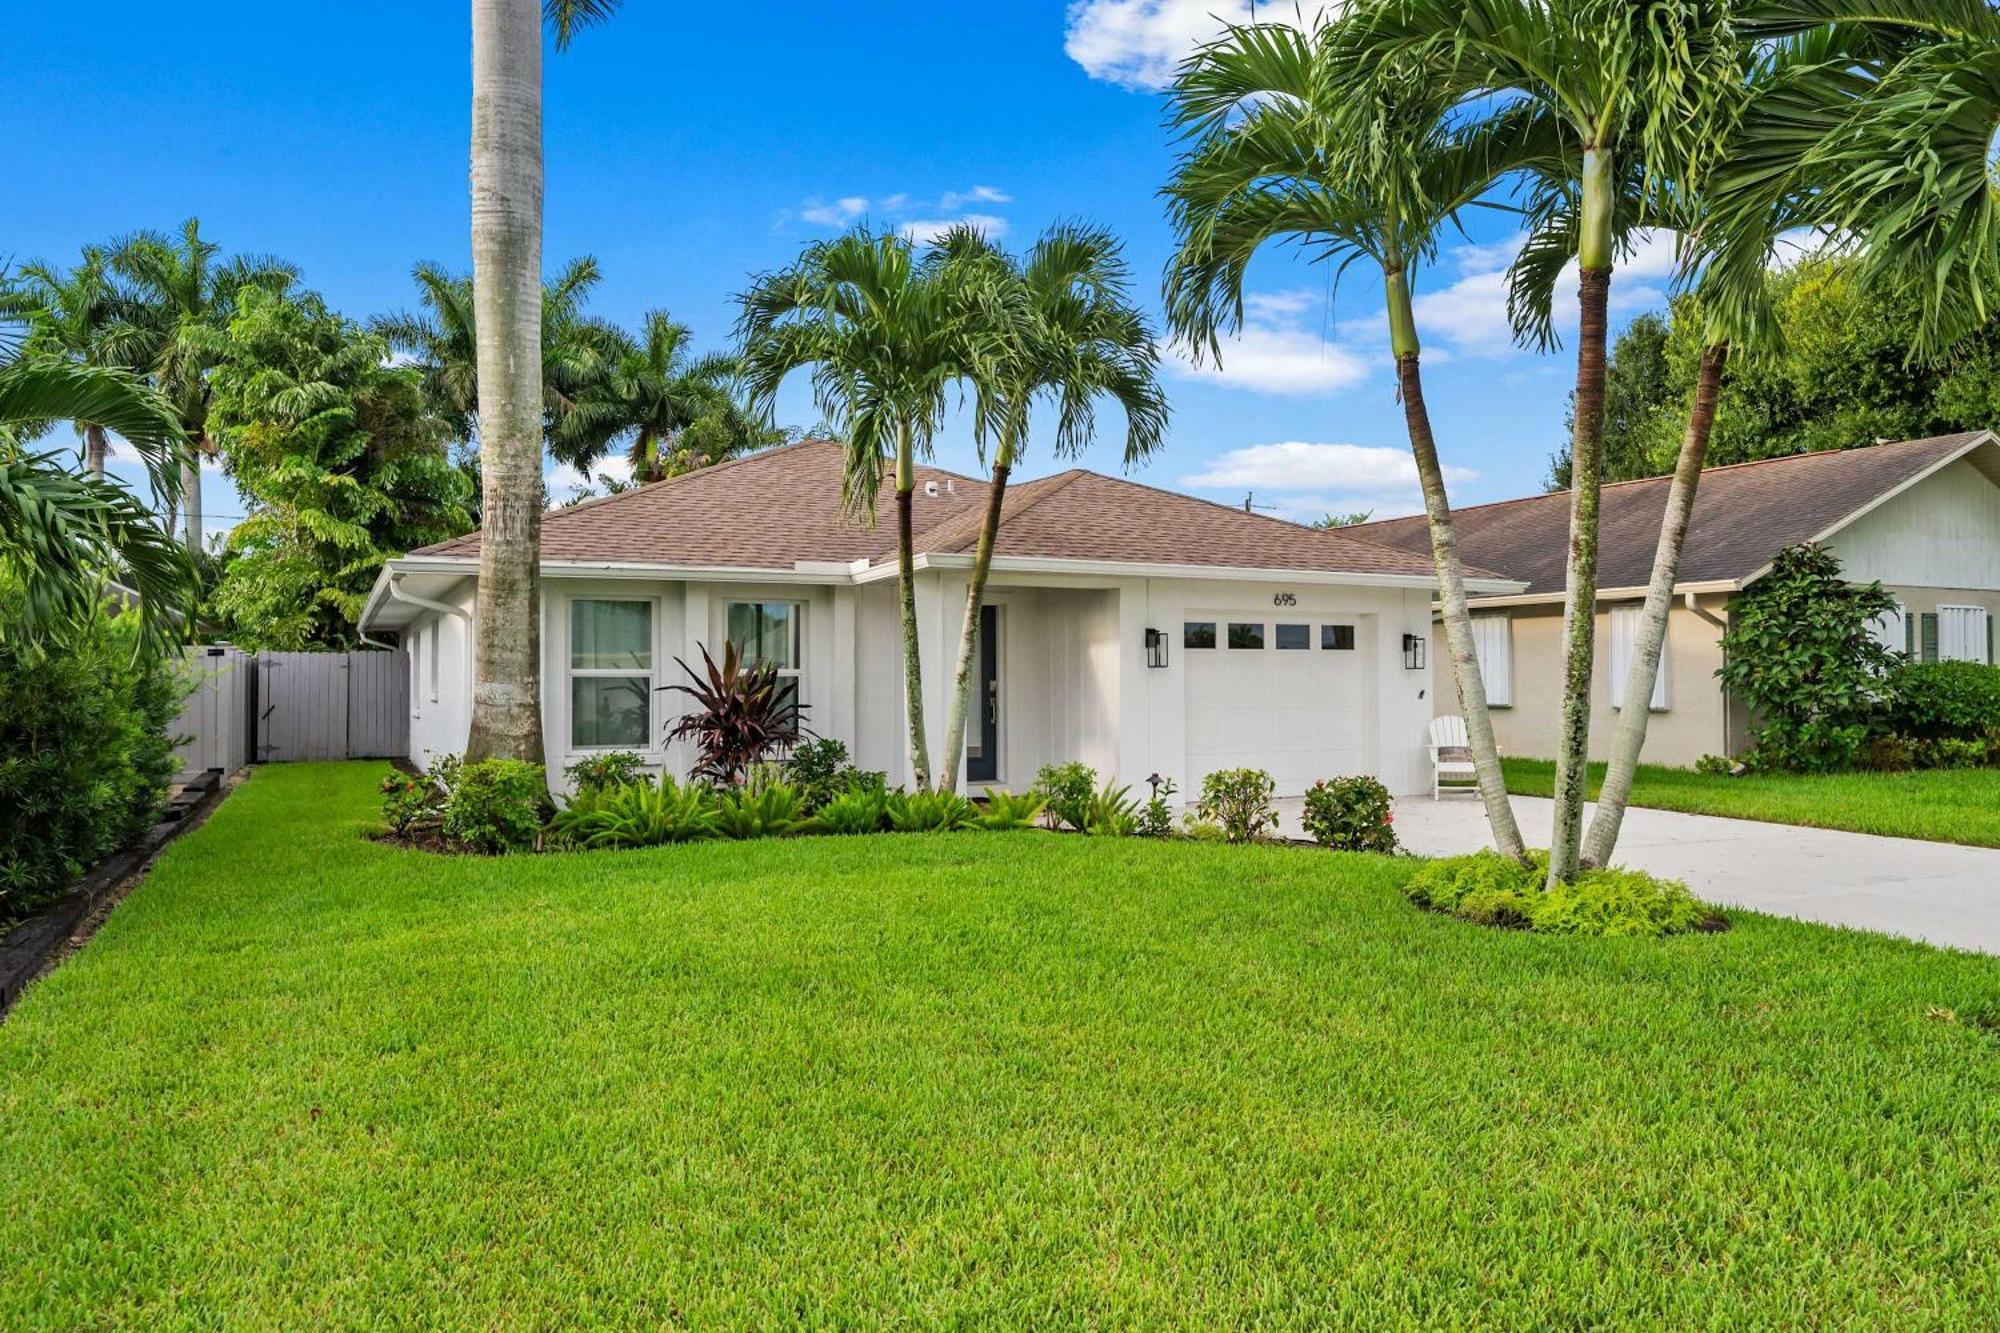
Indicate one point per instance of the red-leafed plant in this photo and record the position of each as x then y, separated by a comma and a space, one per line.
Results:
743, 715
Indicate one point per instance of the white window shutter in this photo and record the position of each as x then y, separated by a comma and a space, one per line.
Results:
1626, 622
1493, 644
1887, 629
1961, 634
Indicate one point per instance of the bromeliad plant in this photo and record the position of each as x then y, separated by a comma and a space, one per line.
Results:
743, 715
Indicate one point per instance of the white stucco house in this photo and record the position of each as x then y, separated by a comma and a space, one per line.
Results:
1136, 629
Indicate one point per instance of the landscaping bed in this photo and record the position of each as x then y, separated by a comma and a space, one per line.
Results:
301, 1078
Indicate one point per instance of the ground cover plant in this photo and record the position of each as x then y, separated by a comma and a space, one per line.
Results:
905, 1080
1496, 890
1943, 806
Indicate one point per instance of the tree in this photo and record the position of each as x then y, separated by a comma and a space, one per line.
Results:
337, 453
1352, 518
886, 335
578, 351
1065, 333
1294, 138
1641, 394
675, 412
1632, 90
183, 295
63, 534
507, 276
75, 315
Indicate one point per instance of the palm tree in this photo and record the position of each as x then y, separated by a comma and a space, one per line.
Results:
676, 412
1070, 335
63, 533
886, 335
74, 315
578, 351
183, 297
1285, 147
1645, 84
507, 290
1825, 142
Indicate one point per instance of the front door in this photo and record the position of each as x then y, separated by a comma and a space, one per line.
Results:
982, 746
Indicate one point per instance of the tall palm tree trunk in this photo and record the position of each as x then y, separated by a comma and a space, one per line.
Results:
1451, 573
191, 497
507, 296
1579, 645
96, 448
968, 638
1645, 669
906, 593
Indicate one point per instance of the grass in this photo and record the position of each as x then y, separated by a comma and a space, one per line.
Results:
1947, 805
302, 1079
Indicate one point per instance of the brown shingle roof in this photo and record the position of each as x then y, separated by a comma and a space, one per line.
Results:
774, 509
1744, 515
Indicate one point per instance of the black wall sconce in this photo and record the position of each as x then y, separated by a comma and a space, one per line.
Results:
1414, 656
1156, 647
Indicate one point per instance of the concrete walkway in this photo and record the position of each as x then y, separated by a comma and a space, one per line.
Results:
1933, 891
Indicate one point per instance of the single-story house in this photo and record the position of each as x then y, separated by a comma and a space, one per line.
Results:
1922, 517
1138, 630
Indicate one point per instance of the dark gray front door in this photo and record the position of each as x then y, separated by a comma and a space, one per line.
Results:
982, 751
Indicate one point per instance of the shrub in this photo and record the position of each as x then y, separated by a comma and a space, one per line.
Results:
640, 814
819, 771
1238, 801
742, 715
1067, 791
85, 754
1114, 813
859, 809
1800, 652
495, 805
1952, 752
1889, 754
1156, 817
1715, 766
1004, 810
770, 811
1496, 890
929, 812
1351, 814
599, 771
411, 803
1940, 700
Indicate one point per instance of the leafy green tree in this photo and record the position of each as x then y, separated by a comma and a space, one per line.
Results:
337, 455
183, 293
674, 411
886, 333
77, 314
1065, 334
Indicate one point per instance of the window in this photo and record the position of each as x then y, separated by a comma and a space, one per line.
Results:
1337, 638
611, 674
437, 631
1245, 636
1493, 644
1926, 647
1198, 634
768, 632
1295, 636
1625, 624
416, 675
1962, 634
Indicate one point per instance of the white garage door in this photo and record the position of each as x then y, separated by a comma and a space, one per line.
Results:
1287, 695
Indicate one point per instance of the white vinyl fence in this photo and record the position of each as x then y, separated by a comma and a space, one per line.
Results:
273, 707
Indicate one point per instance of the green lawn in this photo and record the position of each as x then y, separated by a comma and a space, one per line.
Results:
1958, 805
301, 1080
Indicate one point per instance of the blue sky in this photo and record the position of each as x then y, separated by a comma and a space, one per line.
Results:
689, 146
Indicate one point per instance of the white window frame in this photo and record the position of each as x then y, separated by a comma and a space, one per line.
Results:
797, 671
416, 646
1625, 625
434, 653
651, 674
1493, 645
1967, 633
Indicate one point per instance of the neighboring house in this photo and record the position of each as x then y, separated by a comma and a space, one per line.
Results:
1922, 517
1134, 629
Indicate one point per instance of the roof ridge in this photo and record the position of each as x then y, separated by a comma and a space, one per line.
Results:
1062, 480
1667, 477
1345, 534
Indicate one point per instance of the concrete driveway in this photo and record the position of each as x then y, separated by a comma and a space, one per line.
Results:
1932, 891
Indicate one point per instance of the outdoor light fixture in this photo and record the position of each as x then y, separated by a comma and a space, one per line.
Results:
1156, 647
1414, 658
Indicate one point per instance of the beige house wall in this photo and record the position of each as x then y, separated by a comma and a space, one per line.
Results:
1696, 721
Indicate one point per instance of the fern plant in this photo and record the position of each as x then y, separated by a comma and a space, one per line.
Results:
859, 809
930, 812
1113, 812
639, 814
1005, 811
773, 810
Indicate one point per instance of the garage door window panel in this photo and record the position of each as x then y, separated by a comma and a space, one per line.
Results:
1246, 635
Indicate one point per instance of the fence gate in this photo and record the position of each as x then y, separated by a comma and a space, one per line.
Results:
217, 720
331, 706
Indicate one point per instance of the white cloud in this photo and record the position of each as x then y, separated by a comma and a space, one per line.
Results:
925, 230
1370, 471
953, 200
1277, 351
1139, 43
1468, 316
840, 213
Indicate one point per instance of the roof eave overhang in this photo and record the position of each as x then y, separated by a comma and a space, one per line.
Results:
1607, 594
1129, 569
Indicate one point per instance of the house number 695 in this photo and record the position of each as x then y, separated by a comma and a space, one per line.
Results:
1284, 599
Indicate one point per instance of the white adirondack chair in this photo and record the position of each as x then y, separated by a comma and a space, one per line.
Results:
1448, 733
